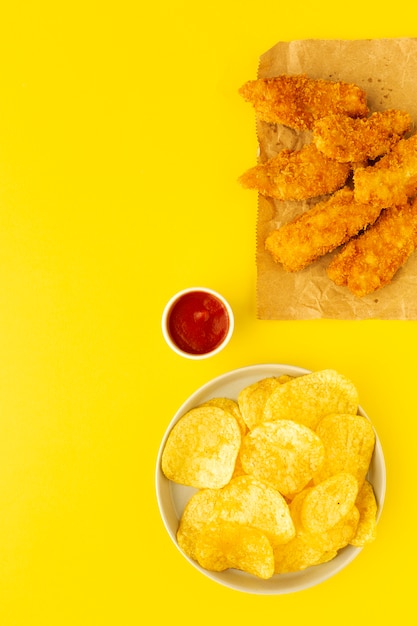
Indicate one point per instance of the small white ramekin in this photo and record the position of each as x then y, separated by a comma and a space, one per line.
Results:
165, 323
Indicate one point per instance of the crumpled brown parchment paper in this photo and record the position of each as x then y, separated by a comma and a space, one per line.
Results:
387, 70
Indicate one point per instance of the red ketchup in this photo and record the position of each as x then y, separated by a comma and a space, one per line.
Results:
198, 322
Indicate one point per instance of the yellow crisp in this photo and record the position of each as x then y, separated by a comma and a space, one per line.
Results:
366, 503
339, 535
230, 406
253, 503
295, 507
231, 545
282, 453
326, 557
296, 555
307, 399
252, 399
312, 548
328, 502
349, 442
202, 447
198, 512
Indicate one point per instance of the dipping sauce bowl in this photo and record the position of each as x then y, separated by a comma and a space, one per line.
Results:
197, 323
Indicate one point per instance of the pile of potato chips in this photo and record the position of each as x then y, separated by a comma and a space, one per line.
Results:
280, 475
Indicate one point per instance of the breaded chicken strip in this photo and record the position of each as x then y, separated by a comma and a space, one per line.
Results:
297, 175
371, 260
319, 230
392, 180
346, 139
297, 101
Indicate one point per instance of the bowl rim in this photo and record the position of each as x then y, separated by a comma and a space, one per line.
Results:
178, 495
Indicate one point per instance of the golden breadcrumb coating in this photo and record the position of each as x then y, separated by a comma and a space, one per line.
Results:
297, 101
346, 139
371, 260
392, 180
319, 230
297, 175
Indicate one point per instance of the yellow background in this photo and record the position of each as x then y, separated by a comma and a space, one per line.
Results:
121, 139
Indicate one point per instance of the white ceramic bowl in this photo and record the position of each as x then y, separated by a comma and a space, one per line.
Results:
172, 497
166, 315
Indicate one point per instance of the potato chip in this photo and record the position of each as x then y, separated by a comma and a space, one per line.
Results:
349, 442
253, 503
282, 453
238, 471
202, 447
284, 378
230, 406
366, 503
296, 555
232, 545
198, 512
326, 557
336, 536
328, 502
339, 535
252, 399
309, 398
307, 548
295, 507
